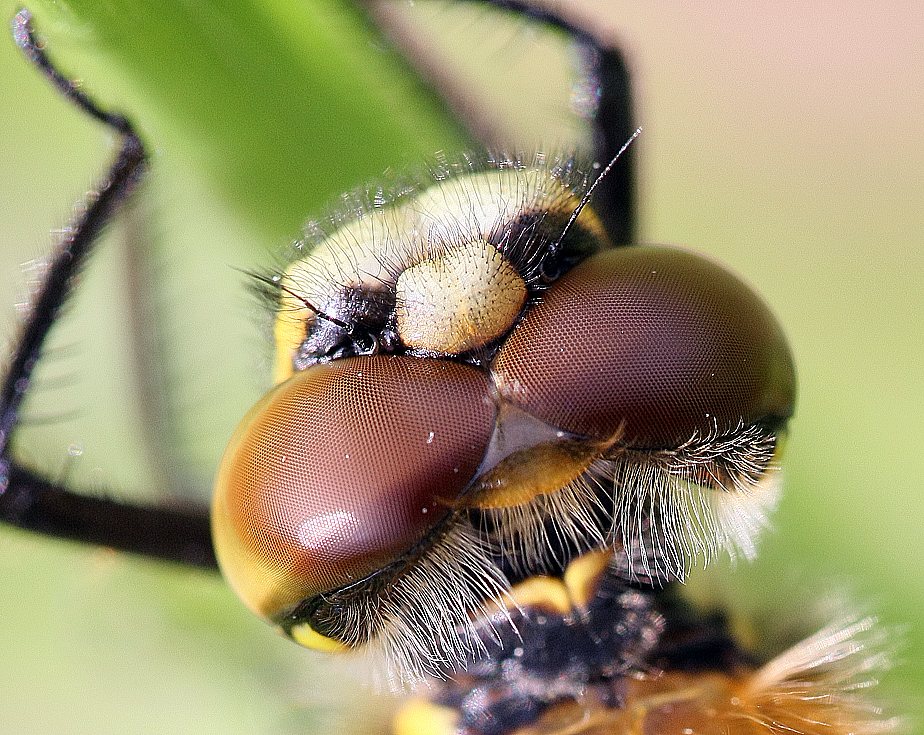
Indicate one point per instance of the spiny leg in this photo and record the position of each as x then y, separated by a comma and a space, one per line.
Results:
612, 123
27, 499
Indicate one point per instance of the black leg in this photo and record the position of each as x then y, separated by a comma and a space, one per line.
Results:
27, 499
608, 77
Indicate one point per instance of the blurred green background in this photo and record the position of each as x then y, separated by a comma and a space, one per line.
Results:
784, 140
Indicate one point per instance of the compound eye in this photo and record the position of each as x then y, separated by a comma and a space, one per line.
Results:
341, 469
656, 344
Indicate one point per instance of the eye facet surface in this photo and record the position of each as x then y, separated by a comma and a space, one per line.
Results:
654, 343
342, 469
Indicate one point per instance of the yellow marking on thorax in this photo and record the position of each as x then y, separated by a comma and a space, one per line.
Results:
546, 593
419, 716
562, 596
582, 577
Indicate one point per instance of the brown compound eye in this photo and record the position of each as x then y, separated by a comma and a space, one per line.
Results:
341, 469
656, 344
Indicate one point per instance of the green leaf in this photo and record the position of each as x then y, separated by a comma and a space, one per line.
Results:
281, 106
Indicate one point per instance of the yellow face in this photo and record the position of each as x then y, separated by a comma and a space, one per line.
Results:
431, 253
472, 389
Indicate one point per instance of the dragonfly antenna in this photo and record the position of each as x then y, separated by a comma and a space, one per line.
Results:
590, 192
